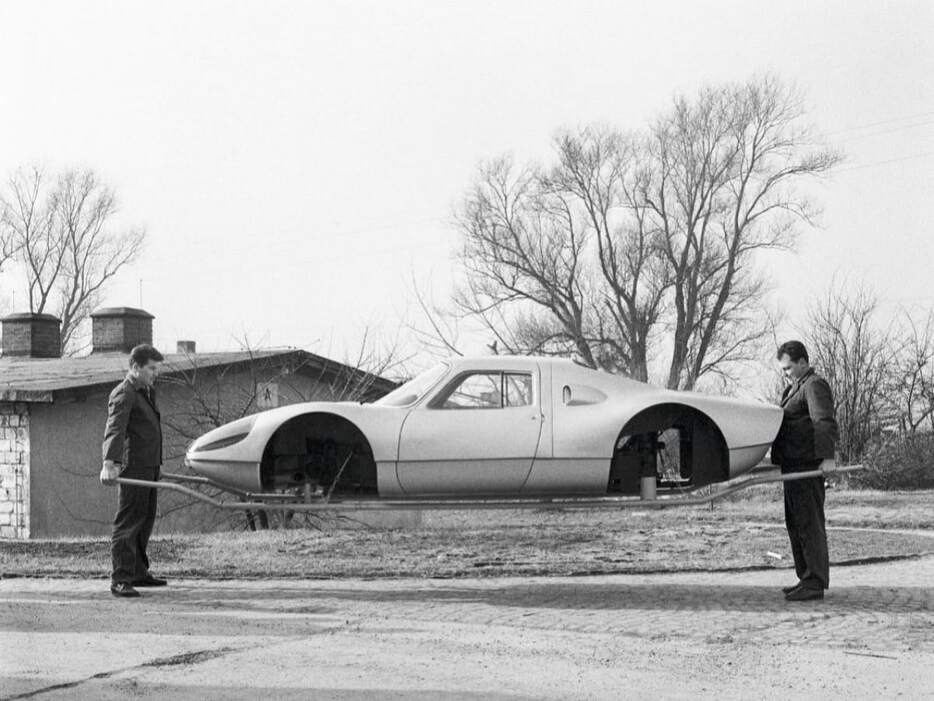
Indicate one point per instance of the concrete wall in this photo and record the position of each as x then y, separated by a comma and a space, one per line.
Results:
14, 470
66, 497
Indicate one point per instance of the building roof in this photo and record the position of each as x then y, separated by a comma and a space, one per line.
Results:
121, 313
45, 380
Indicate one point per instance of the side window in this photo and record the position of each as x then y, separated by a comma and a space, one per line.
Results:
480, 391
517, 389
490, 390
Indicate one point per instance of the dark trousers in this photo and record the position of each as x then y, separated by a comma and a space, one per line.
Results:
136, 514
804, 519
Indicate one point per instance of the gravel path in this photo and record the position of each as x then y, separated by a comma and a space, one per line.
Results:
602, 637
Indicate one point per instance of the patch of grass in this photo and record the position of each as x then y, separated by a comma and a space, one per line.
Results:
734, 535
844, 507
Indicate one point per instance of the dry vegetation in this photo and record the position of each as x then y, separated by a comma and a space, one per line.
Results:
739, 534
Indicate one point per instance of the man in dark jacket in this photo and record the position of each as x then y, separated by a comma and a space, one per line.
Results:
133, 448
805, 442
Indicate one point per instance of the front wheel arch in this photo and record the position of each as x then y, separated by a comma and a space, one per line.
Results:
310, 449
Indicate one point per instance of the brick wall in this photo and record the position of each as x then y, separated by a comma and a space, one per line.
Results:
14, 470
120, 333
32, 335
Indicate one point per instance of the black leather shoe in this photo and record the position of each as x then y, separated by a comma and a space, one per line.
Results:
123, 589
149, 581
804, 594
788, 590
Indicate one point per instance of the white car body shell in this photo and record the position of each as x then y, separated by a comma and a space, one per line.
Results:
560, 444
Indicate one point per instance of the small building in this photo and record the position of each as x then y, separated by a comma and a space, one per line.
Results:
53, 410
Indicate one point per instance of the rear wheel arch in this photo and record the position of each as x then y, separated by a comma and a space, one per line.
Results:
695, 452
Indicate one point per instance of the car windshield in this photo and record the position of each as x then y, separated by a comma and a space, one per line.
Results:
414, 389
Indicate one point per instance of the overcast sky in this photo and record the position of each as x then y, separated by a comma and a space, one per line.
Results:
296, 163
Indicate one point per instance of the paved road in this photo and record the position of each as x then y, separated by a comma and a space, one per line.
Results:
673, 636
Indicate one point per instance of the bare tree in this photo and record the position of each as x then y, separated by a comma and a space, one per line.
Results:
442, 337
28, 223
523, 254
355, 379
94, 254
912, 385
771, 381
629, 237
724, 170
61, 232
857, 358
599, 173
7, 242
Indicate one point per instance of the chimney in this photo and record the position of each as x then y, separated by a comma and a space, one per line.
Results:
118, 329
32, 336
186, 348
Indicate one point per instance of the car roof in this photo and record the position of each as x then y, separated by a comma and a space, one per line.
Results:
509, 362
569, 370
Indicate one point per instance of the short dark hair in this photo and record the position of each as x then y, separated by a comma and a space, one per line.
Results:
794, 350
143, 353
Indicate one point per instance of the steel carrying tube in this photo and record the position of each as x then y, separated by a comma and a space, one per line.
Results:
197, 479
493, 503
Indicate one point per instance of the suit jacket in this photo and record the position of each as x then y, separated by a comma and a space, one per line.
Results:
133, 435
809, 429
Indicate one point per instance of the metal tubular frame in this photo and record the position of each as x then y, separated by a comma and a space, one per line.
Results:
725, 488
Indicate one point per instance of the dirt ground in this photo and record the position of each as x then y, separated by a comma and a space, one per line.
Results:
747, 533
678, 635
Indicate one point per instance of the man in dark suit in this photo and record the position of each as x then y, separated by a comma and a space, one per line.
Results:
805, 442
133, 448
